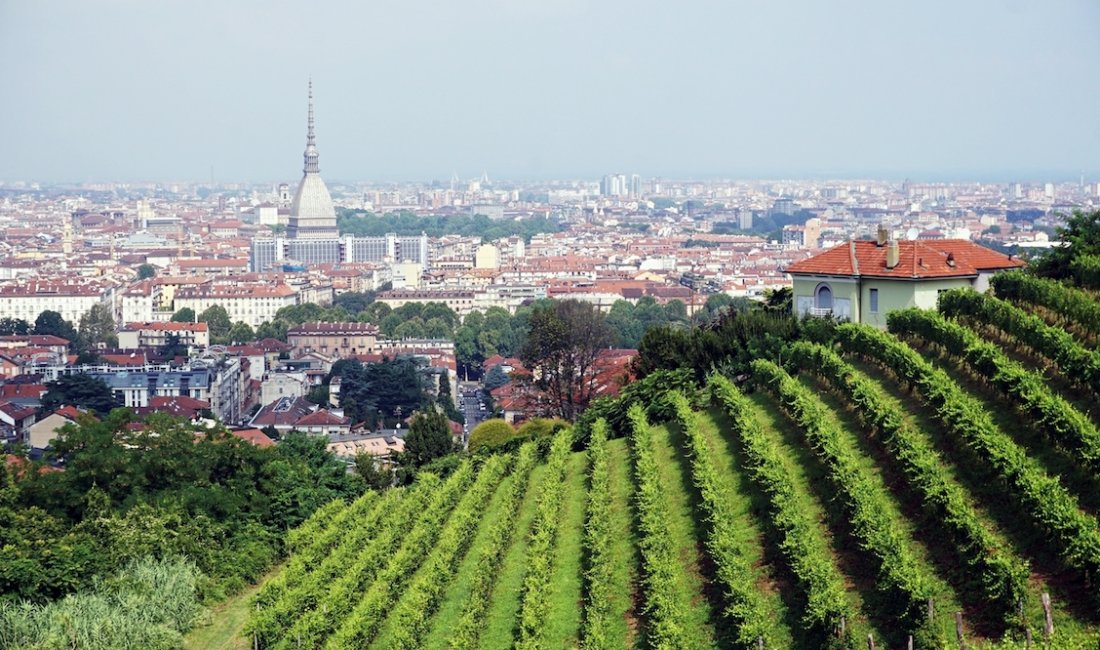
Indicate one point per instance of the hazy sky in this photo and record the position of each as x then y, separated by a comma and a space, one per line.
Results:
418, 89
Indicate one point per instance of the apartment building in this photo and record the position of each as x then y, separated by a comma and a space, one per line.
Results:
155, 335
26, 300
253, 303
336, 340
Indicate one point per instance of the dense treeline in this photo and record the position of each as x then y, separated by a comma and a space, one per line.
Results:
728, 343
128, 492
367, 224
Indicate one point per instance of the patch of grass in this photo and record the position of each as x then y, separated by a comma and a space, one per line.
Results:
686, 531
454, 600
737, 492
563, 620
624, 556
504, 604
223, 628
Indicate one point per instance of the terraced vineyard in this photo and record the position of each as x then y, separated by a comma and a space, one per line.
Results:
938, 484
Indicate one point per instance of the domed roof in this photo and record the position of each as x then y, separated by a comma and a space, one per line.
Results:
312, 214
312, 202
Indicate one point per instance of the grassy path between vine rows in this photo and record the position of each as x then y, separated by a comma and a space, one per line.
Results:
1081, 397
686, 531
454, 599
996, 512
504, 603
808, 477
624, 553
226, 621
563, 619
1023, 430
903, 513
748, 505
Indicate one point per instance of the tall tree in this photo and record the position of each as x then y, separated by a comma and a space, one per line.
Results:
392, 387
173, 346
376, 474
563, 344
429, 437
84, 391
51, 323
184, 315
146, 271
217, 319
274, 329
1081, 236
14, 326
241, 332
97, 327
354, 301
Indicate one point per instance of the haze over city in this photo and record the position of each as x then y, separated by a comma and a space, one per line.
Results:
134, 91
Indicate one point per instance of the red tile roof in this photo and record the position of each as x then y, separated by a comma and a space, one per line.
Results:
166, 327
321, 417
18, 466
916, 259
23, 390
255, 436
71, 412
179, 406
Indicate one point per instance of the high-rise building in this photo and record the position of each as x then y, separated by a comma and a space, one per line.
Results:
312, 215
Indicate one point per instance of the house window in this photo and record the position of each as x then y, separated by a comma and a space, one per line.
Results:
874, 301
824, 297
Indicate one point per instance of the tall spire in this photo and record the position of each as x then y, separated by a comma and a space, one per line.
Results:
312, 160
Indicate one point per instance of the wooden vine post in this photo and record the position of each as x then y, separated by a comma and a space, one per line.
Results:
1048, 625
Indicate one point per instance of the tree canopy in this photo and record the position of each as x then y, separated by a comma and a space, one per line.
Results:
51, 323
158, 490
217, 319
491, 434
97, 327
14, 326
390, 389
80, 390
408, 224
563, 342
1081, 239
184, 315
429, 437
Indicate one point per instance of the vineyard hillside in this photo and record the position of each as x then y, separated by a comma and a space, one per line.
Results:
932, 485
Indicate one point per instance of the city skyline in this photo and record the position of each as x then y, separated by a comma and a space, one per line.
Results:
999, 92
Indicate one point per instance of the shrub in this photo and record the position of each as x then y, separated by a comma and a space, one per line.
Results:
490, 434
536, 428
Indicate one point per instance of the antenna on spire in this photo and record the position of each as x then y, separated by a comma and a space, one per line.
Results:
312, 164
310, 120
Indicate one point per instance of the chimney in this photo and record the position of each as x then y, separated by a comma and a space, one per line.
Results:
893, 254
882, 235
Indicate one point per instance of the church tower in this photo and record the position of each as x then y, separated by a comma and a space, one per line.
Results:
312, 215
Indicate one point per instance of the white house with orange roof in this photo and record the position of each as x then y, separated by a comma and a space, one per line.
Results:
862, 281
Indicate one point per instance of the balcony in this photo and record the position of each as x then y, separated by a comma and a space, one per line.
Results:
821, 311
